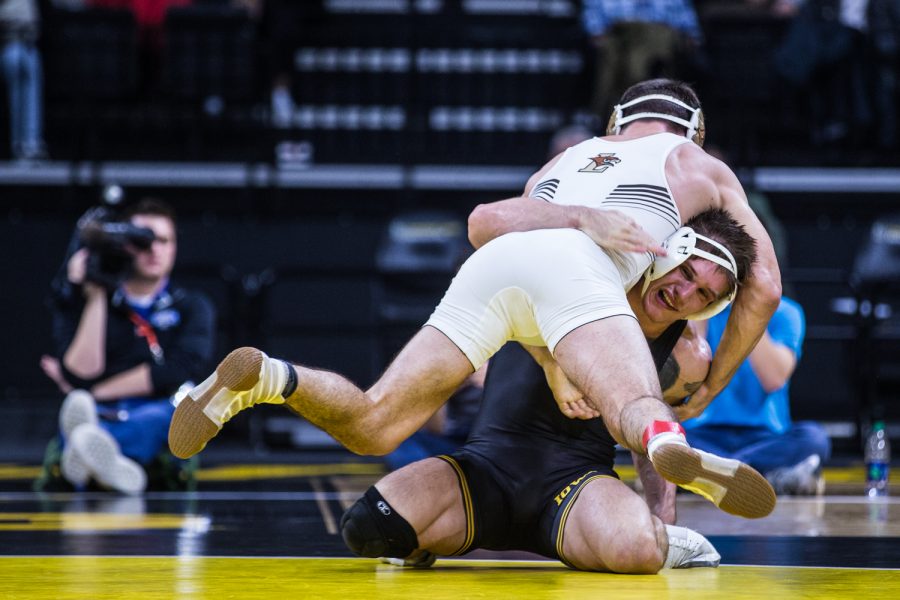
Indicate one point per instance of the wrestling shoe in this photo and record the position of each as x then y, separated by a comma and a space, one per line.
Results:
424, 560
79, 407
731, 485
91, 452
689, 549
244, 378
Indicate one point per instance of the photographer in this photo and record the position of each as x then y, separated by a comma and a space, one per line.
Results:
126, 339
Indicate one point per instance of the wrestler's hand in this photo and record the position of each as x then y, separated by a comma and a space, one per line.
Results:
569, 398
695, 405
579, 410
615, 230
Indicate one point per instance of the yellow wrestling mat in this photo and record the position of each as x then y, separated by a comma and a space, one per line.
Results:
100, 578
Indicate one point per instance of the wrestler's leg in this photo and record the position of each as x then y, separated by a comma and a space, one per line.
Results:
416, 509
610, 362
419, 380
609, 528
428, 492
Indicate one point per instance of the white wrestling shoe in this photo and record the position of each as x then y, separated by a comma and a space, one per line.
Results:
424, 560
79, 407
731, 485
91, 452
244, 378
689, 549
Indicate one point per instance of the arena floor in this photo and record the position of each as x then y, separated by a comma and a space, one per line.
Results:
270, 531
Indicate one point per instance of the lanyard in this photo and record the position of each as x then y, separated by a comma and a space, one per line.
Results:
145, 330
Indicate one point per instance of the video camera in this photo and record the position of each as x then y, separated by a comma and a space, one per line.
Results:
112, 243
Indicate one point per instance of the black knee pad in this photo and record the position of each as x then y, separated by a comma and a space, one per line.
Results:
372, 528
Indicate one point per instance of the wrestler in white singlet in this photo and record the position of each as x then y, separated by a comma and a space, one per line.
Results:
537, 286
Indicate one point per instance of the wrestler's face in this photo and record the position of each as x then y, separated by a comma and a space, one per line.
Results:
685, 290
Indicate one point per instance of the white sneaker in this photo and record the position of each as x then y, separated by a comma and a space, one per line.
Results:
803, 479
91, 452
421, 561
74, 469
79, 407
244, 378
689, 549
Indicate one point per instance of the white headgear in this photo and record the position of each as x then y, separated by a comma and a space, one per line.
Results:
696, 127
680, 246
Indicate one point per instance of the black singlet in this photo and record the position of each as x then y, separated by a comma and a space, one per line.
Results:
522, 451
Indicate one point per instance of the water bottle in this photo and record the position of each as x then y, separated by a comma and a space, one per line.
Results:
878, 461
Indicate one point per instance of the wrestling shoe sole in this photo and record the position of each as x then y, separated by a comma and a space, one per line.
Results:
733, 486
191, 428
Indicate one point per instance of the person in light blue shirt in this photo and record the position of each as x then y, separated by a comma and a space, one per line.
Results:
750, 419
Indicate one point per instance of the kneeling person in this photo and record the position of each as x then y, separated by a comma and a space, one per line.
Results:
528, 478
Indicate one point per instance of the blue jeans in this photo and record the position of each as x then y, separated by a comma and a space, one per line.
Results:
25, 82
760, 448
140, 425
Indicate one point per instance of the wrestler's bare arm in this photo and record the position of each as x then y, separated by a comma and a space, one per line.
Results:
688, 365
608, 228
658, 493
754, 305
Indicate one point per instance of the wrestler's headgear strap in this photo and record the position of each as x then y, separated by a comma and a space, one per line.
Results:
680, 246
696, 127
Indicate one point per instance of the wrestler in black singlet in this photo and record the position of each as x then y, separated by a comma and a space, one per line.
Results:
523, 457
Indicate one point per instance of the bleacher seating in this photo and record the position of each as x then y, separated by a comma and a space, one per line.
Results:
92, 75
441, 82
209, 80
420, 85
209, 51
